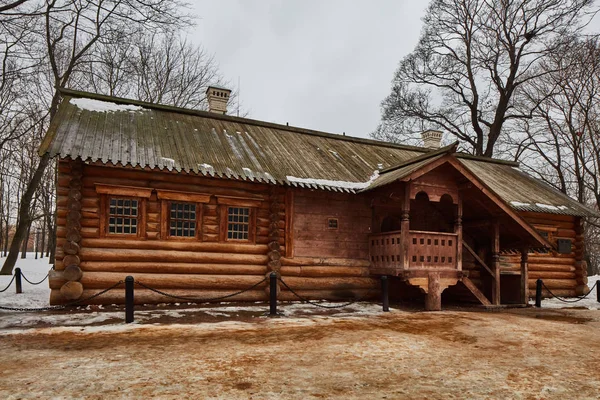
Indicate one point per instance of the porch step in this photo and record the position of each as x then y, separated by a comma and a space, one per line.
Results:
476, 292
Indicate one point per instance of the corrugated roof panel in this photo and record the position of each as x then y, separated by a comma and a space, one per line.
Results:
214, 145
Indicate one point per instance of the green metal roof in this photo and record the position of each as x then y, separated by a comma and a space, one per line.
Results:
121, 131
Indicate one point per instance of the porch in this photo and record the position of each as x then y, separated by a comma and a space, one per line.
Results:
421, 235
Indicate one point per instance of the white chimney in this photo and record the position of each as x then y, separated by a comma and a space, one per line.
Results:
217, 99
432, 139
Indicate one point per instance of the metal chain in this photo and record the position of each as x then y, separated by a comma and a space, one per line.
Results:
9, 283
35, 283
322, 305
569, 300
63, 306
197, 300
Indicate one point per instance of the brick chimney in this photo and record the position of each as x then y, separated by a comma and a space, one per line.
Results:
217, 99
432, 139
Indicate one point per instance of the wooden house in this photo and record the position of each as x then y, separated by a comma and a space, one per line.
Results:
204, 204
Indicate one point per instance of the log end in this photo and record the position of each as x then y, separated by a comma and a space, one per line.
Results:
71, 290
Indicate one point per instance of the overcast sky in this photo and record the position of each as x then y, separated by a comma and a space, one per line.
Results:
323, 65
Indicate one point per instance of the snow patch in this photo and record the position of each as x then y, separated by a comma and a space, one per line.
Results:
103, 106
589, 302
337, 184
547, 206
519, 204
169, 162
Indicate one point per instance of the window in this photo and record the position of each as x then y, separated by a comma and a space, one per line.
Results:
238, 223
123, 216
332, 223
182, 219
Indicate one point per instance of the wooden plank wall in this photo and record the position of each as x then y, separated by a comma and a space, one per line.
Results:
329, 263
201, 268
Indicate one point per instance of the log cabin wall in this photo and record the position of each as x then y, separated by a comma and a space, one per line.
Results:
564, 274
205, 266
330, 255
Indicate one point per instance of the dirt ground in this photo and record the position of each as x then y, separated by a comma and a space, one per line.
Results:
521, 354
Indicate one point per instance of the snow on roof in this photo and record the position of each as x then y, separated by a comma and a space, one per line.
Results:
312, 182
102, 106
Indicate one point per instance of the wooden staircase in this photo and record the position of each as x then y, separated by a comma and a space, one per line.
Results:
476, 292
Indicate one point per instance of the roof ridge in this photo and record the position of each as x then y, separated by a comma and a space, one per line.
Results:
451, 148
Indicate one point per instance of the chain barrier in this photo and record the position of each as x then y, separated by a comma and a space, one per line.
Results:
34, 283
198, 300
579, 298
312, 303
63, 306
9, 283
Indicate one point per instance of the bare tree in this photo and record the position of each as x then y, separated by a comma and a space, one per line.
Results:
70, 30
473, 59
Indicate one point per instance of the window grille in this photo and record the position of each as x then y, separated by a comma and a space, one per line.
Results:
123, 216
182, 220
238, 223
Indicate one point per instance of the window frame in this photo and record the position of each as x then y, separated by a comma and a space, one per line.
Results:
106, 192
166, 212
141, 217
252, 204
166, 197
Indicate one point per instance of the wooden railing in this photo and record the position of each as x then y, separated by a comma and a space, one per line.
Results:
425, 250
432, 250
386, 250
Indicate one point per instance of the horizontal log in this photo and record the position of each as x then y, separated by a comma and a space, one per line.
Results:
333, 283
557, 292
551, 267
116, 254
307, 261
101, 280
318, 271
144, 296
555, 283
173, 268
89, 232
550, 275
229, 247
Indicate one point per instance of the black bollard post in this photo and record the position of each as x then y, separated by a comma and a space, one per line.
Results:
18, 280
385, 293
538, 293
272, 294
129, 299
597, 293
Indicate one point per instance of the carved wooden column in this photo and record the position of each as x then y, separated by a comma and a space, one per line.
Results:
524, 276
405, 225
433, 301
72, 289
459, 235
496, 262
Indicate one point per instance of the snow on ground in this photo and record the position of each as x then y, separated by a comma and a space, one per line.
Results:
32, 296
590, 302
101, 318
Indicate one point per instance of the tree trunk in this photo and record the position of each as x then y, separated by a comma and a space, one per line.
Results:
26, 241
24, 217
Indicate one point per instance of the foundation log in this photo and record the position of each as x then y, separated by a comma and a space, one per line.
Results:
173, 268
